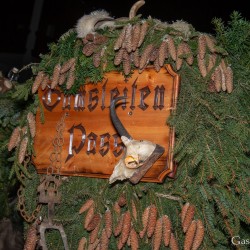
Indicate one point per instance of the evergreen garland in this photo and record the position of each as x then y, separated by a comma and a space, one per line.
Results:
212, 140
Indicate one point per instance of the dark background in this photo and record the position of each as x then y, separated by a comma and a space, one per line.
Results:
27, 27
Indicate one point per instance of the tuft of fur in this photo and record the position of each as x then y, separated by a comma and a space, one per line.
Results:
88, 23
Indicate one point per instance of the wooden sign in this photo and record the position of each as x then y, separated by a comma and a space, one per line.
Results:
91, 145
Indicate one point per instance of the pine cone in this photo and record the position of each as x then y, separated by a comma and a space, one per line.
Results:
145, 217
223, 80
119, 226
62, 78
22, 149
184, 211
89, 216
202, 66
87, 204
136, 58
201, 47
136, 36
217, 79
71, 77
120, 245
151, 221
154, 55
82, 243
157, 66
163, 53
100, 39
104, 241
210, 42
122, 201
145, 56
14, 138
180, 52
117, 208
32, 124
188, 218
188, 52
134, 210
45, 82
126, 227
94, 233
55, 76
90, 37
31, 238
93, 245
134, 241
38, 80
211, 87
211, 62
173, 243
108, 223
126, 63
97, 59
223, 65
127, 43
166, 223
157, 235
171, 47
89, 49
143, 32
119, 56
67, 65
120, 39
190, 236
94, 222
199, 235
229, 79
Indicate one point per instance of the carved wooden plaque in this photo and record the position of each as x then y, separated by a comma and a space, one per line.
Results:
91, 145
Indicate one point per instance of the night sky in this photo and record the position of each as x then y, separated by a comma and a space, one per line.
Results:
57, 16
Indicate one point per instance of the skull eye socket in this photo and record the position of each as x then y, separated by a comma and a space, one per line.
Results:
131, 162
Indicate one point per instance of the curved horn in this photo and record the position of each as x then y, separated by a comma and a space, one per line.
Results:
116, 121
135, 8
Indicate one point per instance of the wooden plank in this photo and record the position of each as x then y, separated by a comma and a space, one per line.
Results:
92, 146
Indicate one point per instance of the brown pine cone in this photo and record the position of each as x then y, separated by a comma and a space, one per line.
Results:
151, 220
188, 52
38, 80
145, 217
217, 79
82, 243
171, 47
210, 42
55, 76
157, 235
136, 36
202, 66
97, 59
223, 80
117, 208
108, 223
229, 79
45, 82
167, 229
90, 37
104, 241
190, 236
184, 211
22, 149
126, 227
163, 53
120, 39
134, 241
62, 79
180, 52
211, 87
14, 138
118, 228
126, 63
211, 62
120, 244
127, 43
94, 222
94, 233
89, 49
145, 56
89, 216
157, 66
134, 210
93, 245
154, 55
67, 65
71, 77
143, 32
31, 238
100, 39
199, 235
188, 218
201, 47
86, 205
32, 124
173, 243
122, 201
118, 57
136, 58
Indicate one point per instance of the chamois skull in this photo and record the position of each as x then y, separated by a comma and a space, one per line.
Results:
139, 155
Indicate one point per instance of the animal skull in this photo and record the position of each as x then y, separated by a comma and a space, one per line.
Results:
137, 154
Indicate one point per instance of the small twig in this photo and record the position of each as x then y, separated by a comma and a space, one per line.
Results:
168, 196
27, 66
